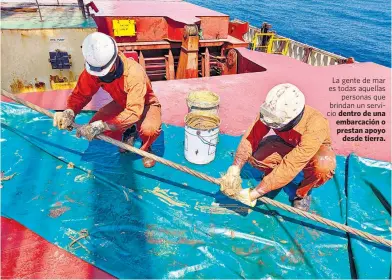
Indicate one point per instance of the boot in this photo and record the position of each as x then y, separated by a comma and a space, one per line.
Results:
148, 162
302, 203
129, 137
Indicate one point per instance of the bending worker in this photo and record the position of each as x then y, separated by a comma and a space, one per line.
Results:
302, 142
134, 107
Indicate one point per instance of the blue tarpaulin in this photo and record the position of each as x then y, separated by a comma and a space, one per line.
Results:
162, 223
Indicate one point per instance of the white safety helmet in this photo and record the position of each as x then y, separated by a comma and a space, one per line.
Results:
100, 52
283, 103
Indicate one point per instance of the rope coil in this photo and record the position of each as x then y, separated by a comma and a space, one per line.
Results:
213, 180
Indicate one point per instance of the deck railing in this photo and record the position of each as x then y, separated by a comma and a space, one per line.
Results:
297, 50
36, 7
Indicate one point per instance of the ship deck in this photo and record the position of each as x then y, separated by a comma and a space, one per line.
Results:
25, 15
160, 223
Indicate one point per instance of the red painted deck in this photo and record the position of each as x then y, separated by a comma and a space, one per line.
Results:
25, 254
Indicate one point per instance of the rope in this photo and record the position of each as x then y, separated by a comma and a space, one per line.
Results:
328, 222
118, 143
213, 180
82, 234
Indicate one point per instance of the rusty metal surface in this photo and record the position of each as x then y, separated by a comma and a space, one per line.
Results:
214, 27
26, 16
152, 29
188, 61
148, 29
160, 45
156, 21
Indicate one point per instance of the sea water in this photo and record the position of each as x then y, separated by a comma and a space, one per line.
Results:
351, 28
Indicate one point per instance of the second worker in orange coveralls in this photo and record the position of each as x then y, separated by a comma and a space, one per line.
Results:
134, 107
302, 142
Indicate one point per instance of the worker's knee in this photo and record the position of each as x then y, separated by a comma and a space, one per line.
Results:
323, 173
324, 164
149, 129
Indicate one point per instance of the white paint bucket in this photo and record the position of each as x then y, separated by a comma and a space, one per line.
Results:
203, 101
201, 137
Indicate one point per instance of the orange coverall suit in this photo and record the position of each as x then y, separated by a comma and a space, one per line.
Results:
134, 102
307, 147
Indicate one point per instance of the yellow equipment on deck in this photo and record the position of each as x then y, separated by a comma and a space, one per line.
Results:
268, 47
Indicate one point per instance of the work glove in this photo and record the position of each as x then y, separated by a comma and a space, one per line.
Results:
244, 197
231, 181
89, 131
64, 120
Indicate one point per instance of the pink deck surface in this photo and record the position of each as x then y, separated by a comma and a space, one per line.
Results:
25, 254
179, 11
241, 96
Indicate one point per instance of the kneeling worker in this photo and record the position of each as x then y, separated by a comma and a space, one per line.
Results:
302, 142
134, 107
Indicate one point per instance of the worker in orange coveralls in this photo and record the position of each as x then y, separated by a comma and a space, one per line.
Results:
134, 108
302, 142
